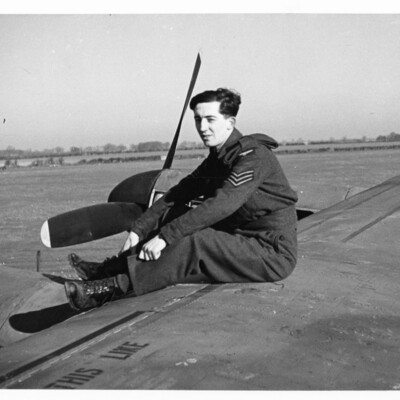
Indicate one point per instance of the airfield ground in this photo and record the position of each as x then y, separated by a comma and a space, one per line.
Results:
29, 196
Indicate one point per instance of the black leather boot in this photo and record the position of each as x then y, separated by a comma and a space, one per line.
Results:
90, 271
86, 295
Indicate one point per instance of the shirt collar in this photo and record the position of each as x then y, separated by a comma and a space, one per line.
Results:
231, 141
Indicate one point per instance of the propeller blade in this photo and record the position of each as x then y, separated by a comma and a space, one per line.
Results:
171, 152
89, 223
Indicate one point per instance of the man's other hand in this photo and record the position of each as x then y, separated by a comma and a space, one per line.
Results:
152, 249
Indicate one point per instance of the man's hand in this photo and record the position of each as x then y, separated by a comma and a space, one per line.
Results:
152, 249
131, 241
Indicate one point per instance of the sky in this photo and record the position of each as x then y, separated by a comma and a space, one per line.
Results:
91, 79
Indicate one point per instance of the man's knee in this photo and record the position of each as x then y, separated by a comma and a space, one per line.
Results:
285, 269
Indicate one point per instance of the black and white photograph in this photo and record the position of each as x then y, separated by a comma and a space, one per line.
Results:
200, 199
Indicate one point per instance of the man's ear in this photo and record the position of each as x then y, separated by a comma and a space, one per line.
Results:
232, 122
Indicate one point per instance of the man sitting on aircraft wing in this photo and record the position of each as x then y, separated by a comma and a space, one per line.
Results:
244, 230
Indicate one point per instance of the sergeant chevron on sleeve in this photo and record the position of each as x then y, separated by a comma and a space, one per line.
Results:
243, 230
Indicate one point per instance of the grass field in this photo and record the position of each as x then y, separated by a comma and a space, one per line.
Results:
29, 196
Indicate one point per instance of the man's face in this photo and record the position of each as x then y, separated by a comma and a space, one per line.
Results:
213, 127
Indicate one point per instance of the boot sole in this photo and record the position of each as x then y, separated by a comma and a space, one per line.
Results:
69, 297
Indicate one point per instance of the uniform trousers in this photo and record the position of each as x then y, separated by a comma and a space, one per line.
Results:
216, 256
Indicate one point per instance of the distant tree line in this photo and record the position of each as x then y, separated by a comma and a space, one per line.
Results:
392, 137
55, 155
11, 153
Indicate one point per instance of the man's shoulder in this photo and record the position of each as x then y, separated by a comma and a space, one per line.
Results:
254, 147
256, 140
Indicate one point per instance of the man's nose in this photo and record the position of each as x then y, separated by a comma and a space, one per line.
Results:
203, 125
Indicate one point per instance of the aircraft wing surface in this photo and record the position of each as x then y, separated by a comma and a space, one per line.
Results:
333, 324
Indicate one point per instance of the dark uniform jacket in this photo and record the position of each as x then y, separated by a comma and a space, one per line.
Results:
244, 191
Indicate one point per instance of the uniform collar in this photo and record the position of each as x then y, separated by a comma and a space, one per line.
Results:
231, 141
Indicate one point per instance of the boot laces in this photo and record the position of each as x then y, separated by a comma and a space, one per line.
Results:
99, 287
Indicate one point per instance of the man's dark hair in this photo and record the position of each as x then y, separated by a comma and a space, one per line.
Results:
229, 100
